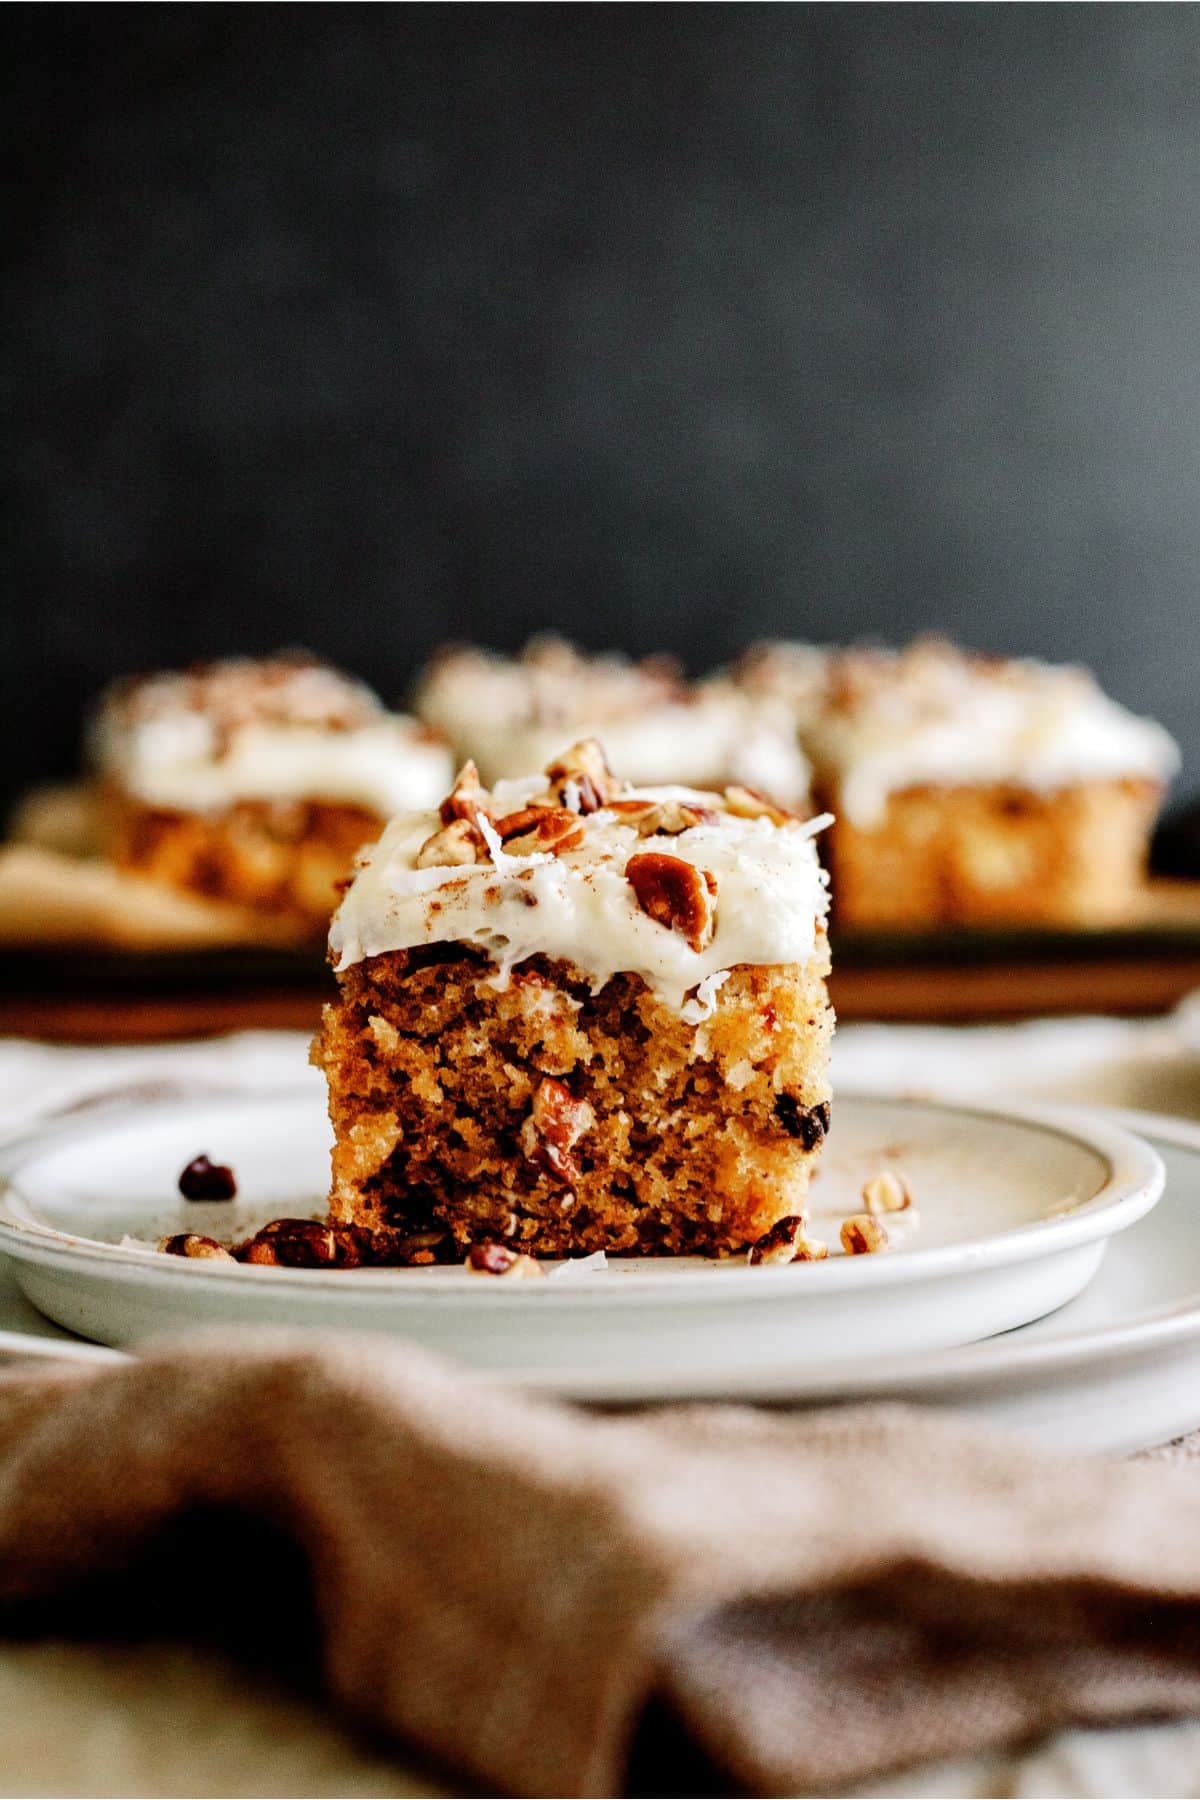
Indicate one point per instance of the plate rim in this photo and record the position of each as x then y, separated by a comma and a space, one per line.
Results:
970, 1370
990, 1363
1135, 1170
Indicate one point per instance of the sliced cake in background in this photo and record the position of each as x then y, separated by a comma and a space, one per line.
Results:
255, 782
512, 714
971, 789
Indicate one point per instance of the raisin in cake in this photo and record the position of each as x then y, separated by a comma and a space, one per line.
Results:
576, 1016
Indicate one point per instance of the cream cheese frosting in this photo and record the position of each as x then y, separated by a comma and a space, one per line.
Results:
788, 674
766, 891
513, 714
277, 729
934, 715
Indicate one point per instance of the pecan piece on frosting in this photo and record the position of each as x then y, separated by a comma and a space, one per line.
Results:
667, 818
467, 797
747, 803
550, 829
674, 893
455, 844
555, 1124
581, 778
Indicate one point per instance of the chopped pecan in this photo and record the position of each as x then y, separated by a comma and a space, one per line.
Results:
674, 893
458, 843
188, 1243
549, 829
467, 797
862, 1235
810, 1250
555, 1125
388, 1246
887, 1192
581, 778
301, 1244
779, 1243
527, 818
667, 818
501, 1259
747, 803
785, 1242
808, 1123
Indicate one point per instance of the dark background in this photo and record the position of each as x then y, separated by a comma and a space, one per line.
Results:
668, 326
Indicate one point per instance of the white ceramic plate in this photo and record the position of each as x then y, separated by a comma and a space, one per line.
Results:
1014, 1215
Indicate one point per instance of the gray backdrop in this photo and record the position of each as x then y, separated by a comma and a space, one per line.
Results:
670, 326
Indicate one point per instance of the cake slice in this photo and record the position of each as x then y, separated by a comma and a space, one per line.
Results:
980, 790
512, 714
574, 1015
256, 781
971, 789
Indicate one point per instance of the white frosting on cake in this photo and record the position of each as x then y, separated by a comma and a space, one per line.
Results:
513, 714
580, 907
276, 730
934, 716
792, 675
683, 744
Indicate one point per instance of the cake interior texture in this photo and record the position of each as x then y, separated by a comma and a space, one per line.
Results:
286, 858
995, 854
559, 1120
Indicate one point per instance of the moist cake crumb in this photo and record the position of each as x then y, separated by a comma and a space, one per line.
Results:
638, 1064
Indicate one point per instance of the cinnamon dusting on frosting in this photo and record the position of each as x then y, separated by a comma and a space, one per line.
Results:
704, 889
285, 727
875, 721
513, 713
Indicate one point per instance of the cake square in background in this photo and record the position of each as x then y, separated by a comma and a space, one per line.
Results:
970, 789
512, 714
256, 781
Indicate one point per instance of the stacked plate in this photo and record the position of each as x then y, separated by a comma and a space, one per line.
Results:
1047, 1277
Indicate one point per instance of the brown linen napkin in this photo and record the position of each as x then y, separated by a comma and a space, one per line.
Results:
537, 1598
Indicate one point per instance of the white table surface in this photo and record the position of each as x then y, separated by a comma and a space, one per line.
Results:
77, 1719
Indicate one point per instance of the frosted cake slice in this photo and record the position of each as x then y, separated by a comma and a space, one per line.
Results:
513, 714
971, 789
255, 781
575, 1015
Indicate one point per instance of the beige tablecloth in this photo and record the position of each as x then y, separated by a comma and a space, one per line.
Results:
78, 1719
